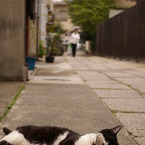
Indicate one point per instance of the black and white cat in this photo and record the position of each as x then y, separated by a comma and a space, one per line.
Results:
47, 135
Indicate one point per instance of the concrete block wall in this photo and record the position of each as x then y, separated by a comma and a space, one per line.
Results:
12, 38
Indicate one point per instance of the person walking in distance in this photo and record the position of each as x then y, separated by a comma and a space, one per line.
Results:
75, 37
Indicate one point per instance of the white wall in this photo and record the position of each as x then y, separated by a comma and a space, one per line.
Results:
67, 25
113, 13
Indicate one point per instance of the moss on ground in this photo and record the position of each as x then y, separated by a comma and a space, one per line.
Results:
12, 102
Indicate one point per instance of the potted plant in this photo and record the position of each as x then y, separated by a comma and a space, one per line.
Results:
50, 49
41, 49
54, 30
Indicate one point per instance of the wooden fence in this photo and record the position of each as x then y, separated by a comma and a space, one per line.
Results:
123, 36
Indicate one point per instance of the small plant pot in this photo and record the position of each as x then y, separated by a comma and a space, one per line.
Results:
49, 59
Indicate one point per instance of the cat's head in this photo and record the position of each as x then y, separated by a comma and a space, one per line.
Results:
13, 138
110, 135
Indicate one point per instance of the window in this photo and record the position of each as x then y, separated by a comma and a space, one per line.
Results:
61, 15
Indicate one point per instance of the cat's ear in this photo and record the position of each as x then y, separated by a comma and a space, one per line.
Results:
116, 129
6, 131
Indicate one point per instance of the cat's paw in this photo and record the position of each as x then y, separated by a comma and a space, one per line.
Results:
100, 140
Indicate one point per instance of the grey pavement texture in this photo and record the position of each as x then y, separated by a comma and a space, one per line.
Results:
8, 91
85, 94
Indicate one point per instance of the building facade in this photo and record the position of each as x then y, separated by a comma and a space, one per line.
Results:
62, 16
18, 39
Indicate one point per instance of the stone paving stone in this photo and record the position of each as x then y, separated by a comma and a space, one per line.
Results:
92, 75
136, 83
106, 85
126, 105
71, 79
98, 67
83, 64
79, 67
138, 73
106, 64
140, 140
116, 66
139, 87
132, 81
76, 65
108, 94
135, 123
95, 64
120, 75
95, 61
141, 74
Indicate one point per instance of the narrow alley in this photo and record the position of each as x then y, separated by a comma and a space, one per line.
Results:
85, 94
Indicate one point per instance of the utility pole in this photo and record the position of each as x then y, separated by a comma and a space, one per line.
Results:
51, 5
37, 30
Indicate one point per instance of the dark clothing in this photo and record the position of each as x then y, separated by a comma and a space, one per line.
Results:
73, 46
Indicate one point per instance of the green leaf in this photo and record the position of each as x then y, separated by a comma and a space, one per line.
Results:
89, 13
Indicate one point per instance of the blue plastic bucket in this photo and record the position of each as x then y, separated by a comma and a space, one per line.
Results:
31, 62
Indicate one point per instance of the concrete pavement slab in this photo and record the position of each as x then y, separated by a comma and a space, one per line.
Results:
106, 85
116, 64
73, 106
98, 67
57, 95
138, 73
58, 73
136, 83
117, 94
128, 74
53, 72
61, 69
120, 75
72, 79
55, 67
140, 88
126, 105
92, 76
77, 65
63, 105
93, 64
135, 123
140, 140
132, 81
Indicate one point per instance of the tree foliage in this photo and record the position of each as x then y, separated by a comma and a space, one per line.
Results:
88, 14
